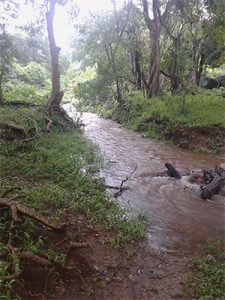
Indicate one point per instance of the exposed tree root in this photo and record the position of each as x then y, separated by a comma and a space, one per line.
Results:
36, 132
49, 124
21, 104
62, 114
15, 264
14, 127
34, 259
16, 208
16, 131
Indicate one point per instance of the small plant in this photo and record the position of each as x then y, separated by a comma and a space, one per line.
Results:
207, 280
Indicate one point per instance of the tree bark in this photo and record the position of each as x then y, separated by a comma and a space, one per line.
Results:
175, 79
154, 26
137, 63
56, 94
1, 92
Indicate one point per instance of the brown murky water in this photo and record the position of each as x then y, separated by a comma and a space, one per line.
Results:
177, 216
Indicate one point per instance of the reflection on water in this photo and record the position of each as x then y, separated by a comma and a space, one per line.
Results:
177, 215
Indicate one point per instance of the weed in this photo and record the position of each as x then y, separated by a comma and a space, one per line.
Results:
208, 274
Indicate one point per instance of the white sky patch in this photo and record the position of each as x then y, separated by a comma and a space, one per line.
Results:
62, 27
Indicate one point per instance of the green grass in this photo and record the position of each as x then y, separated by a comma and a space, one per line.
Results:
173, 118
200, 110
208, 275
57, 171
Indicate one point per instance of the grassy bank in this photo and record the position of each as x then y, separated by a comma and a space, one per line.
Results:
207, 280
56, 173
195, 122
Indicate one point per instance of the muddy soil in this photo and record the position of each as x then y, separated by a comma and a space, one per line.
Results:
100, 271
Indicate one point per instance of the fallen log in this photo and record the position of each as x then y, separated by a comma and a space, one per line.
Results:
212, 187
172, 171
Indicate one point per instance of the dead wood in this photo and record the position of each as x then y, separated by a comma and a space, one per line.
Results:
15, 264
49, 124
121, 188
36, 132
215, 181
172, 171
20, 104
34, 259
16, 208
13, 126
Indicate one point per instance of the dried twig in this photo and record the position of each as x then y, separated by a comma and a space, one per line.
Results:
121, 189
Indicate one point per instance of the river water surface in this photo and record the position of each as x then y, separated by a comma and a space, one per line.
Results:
177, 216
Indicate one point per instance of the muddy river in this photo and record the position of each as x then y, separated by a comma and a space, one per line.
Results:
177, 216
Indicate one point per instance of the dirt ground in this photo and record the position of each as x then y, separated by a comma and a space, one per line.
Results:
200, 139
100, 271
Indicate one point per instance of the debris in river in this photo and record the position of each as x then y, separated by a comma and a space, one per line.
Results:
172, 171
212, 181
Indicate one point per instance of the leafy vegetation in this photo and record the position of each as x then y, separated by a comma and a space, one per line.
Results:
56, 172
208, 277
174, 118
163, 50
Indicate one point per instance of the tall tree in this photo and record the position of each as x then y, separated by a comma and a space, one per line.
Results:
154, 26
56, 93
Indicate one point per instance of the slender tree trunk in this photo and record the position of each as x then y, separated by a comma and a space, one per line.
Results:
200, 68
194, 64
175, 79
1, 92
56, 94
154, 66
137, 62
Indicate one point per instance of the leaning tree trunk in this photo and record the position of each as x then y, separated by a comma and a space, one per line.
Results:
56, 94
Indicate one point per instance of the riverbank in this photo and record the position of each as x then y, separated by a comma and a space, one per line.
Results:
53, 173
192, 122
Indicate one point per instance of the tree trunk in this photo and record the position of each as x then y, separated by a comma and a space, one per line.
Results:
154, 66
194, 64
175, 80
137, 60
154, 26
56, 94
1, 92
200, 68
